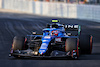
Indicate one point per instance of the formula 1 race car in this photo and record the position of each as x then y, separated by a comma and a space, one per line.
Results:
57, 40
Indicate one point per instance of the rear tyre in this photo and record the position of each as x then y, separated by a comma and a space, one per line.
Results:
18, 43
86, 44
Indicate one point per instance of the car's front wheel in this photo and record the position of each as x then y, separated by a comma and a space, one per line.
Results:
72, 45
18, 43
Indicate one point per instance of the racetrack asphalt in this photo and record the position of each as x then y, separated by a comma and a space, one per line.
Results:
12, 24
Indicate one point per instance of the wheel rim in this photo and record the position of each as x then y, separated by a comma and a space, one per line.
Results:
77, 48
91, 38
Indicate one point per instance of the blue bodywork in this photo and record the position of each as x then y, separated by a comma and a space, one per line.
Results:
47, 37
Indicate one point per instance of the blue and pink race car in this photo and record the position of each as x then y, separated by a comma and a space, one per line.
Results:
57, 40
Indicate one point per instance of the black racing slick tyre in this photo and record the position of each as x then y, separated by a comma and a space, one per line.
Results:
86, 42
18, 43
70, 44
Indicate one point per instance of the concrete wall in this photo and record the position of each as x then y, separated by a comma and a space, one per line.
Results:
18, 5
0, 3
87, 12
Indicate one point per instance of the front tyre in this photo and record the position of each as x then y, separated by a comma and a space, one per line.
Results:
18, 43
72, 45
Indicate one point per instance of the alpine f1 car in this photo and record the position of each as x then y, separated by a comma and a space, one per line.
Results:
57, 40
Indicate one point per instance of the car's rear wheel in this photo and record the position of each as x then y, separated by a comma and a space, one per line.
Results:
86, 42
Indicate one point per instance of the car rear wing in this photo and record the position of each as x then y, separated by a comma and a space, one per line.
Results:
73, 28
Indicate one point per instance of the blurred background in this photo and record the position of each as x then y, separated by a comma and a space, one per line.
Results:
74, 1
79, 9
